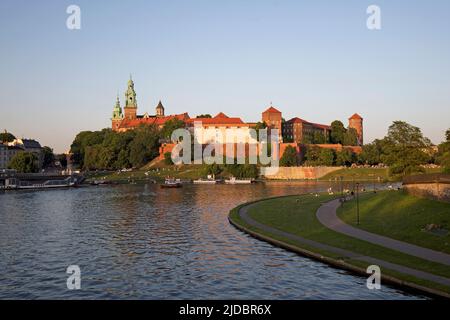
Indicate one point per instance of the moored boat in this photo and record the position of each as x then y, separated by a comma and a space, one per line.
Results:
233, 180
206, 181
171, 183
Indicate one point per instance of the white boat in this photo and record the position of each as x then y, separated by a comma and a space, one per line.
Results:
205, 181
233, 180
171, 183
13, 183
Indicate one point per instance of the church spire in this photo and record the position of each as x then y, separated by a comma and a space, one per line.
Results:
117, 110
130, 95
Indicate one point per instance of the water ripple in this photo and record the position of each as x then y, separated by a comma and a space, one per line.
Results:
142, 242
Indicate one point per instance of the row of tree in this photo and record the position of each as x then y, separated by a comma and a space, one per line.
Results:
404, 149
316, 156
110, 150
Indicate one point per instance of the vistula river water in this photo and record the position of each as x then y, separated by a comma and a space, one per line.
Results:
143, 242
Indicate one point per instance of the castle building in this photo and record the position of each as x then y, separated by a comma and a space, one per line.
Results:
129, 119
301, 131
221, 128
295, 130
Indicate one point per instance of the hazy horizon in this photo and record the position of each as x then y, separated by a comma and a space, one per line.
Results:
312, 59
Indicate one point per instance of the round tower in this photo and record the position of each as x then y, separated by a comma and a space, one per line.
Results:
356, 122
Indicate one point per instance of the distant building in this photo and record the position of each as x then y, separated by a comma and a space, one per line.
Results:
7, 153
129, 119
26, 145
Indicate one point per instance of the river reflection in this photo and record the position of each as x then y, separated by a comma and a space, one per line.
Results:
143, 242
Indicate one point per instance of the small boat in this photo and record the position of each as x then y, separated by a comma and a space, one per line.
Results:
233, 180
171, 183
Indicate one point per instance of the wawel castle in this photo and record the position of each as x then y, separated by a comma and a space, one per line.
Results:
296, 130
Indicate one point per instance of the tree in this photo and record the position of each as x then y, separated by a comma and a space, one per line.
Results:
350, 137
25, 162
83, 140
316, 156
345, 157
405, 149
259, 126
6, 137
312, 155
443, 155
212, 169
326, 157
144, 146
242, 170
168, 158
371, 153
289, 158
337, 132
170, 126
49, 157
319, 137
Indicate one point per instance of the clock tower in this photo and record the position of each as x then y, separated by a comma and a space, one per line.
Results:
130, 101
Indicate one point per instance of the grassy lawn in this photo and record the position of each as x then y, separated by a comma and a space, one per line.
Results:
358, 174
296, 215
367, 174
160, 173
401, 216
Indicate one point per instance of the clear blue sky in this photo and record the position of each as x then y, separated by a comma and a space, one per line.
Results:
312, 59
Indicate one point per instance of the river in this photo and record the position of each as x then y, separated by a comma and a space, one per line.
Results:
143, 242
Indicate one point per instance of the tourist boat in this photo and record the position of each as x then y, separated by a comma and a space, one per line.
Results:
233, 180
171, 183
15, 184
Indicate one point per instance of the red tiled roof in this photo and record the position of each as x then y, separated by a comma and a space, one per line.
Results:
272, 110
219, 119
127, 123
213, 121
221, 115
355, 116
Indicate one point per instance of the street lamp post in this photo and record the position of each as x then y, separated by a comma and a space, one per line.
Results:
357, 203
342, 191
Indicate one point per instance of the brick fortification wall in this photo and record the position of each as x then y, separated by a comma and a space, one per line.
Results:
287, 173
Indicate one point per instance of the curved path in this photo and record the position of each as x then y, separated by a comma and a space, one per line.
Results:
344, 254
328, 217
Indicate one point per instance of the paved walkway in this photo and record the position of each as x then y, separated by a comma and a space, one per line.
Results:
344, 254
328, 217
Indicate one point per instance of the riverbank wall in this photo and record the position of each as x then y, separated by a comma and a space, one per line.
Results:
431, 186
